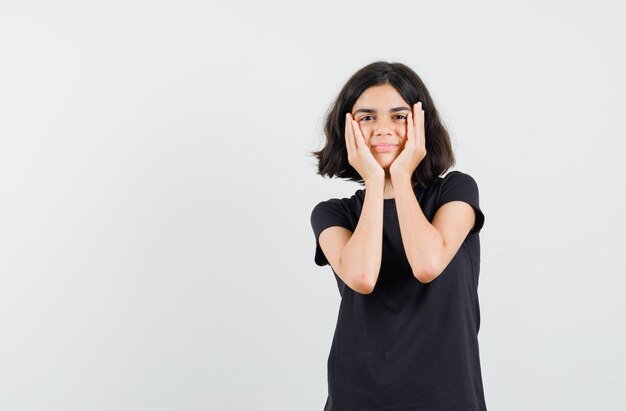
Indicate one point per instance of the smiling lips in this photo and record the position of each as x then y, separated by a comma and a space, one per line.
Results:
384, 147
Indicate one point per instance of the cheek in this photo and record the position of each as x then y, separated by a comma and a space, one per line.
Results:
401, 131
366, 129
367, 132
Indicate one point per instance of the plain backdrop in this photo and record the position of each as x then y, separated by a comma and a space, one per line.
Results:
156, 187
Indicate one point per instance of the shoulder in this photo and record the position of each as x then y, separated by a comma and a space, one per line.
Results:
327, 209
344, 203
458, 176
460, 186
457, 180
334, 211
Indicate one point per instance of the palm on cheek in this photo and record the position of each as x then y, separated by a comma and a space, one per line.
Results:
415, 146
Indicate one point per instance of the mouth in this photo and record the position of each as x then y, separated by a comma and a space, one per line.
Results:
384, 147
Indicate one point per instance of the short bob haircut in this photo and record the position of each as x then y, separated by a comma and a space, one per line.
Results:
333, 158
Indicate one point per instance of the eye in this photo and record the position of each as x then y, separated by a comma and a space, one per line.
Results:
402, 116
364, 117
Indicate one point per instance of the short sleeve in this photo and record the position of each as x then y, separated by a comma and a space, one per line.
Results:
327, 214
458, 186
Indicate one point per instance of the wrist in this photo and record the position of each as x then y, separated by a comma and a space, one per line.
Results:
375, 180
400, 177
375, 184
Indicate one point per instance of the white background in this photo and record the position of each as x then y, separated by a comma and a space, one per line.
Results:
156, 251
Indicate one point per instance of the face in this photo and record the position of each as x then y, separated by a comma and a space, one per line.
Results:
382, 115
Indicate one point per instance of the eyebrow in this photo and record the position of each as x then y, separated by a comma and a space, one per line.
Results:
369, 110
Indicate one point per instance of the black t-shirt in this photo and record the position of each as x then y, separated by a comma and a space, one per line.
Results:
407, 345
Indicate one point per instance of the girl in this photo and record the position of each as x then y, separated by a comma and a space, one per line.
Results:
404, 250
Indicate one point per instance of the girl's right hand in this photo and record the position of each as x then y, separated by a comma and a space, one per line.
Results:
359, 155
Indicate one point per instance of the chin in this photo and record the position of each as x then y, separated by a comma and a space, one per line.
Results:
385, 161
385, 164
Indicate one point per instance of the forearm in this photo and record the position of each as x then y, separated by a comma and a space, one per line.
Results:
423, 244
362, 254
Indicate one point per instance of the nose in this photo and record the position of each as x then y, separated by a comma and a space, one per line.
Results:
383, 127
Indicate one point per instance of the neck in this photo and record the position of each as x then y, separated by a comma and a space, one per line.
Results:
388, 191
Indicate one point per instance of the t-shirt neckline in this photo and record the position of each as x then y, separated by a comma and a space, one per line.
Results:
387, 202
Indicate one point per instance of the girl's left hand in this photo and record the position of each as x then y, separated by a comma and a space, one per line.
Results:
415, 146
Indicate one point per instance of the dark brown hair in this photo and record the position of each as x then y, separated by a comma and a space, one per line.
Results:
333, 158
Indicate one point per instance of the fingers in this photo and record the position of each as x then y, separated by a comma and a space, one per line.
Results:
418, 123
350, 143
360, 140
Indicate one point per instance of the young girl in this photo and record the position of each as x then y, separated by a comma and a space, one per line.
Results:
405, 251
